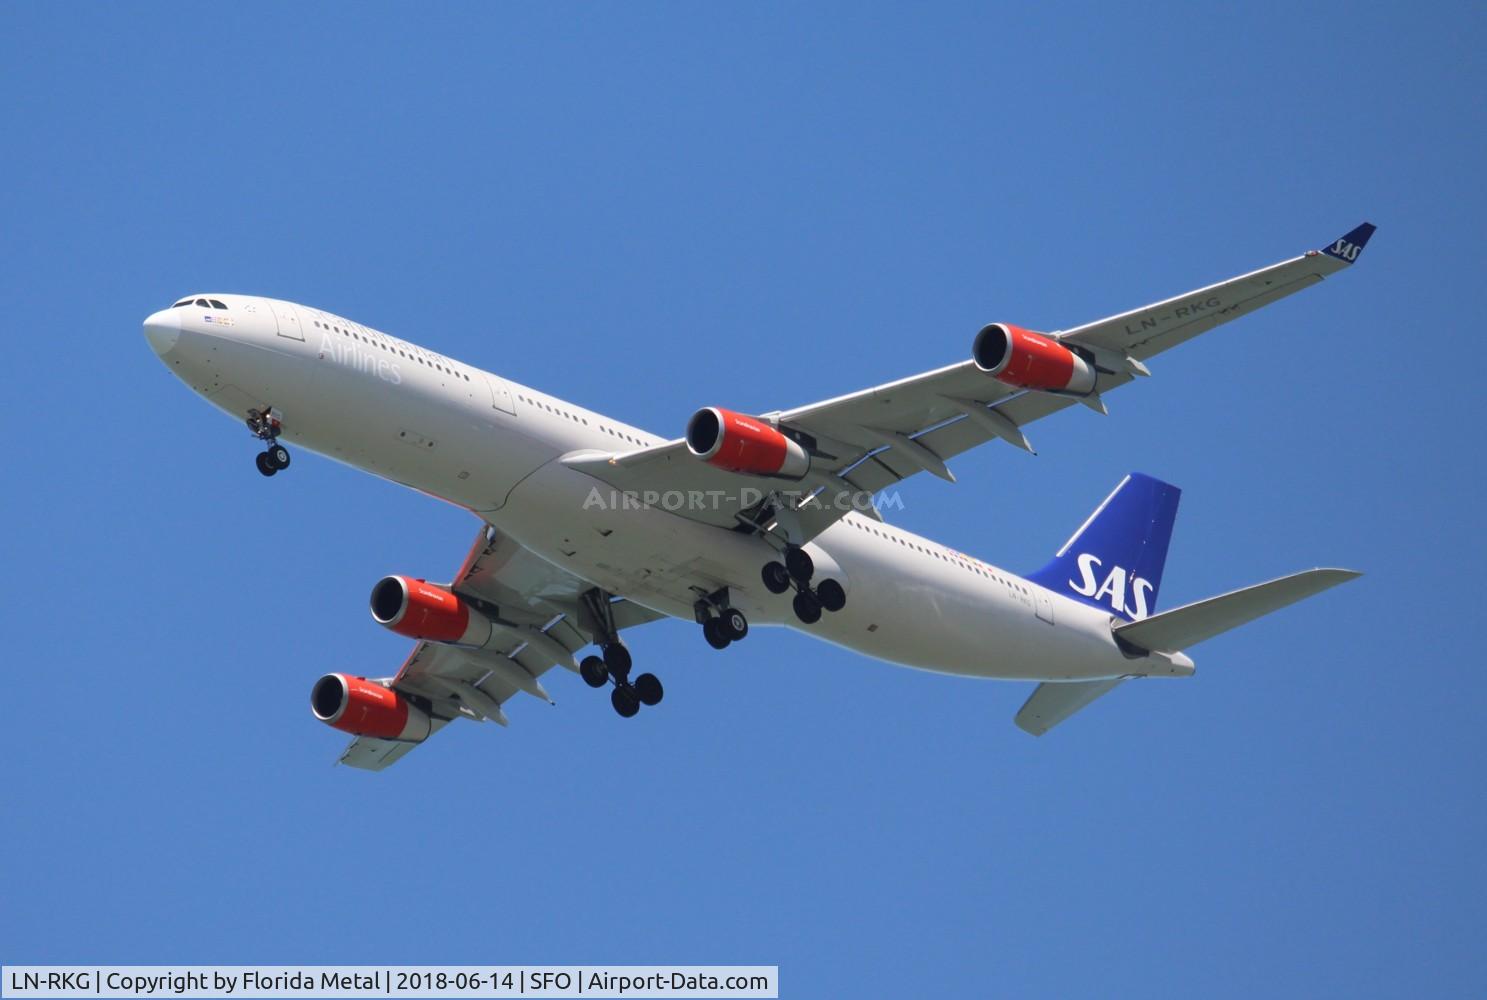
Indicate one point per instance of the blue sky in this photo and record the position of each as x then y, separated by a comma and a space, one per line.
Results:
650, 209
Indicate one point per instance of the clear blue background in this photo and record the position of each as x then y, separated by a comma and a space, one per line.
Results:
648, 209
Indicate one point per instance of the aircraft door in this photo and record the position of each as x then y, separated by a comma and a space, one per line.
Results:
288, 319
1044, 604
500, 395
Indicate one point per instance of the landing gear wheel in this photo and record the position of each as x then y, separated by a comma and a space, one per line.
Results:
712, 631
831, 595
617, 659
648, 689
776, 577
278, 456
625, 700
798, 562
735, 625
265, 464
807, 607
593, 671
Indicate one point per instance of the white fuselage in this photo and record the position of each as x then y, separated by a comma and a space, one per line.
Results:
491, 446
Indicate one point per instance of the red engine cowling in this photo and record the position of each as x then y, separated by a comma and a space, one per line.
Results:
744, 444
421, 610
365, 708
1031, 361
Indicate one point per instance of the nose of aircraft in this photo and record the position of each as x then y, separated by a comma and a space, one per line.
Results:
163, 329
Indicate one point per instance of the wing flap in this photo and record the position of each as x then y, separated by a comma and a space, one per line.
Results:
368, 753
906, 406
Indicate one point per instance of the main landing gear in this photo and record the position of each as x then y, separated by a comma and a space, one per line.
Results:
613, 664
264, 425
796, 571
721, 624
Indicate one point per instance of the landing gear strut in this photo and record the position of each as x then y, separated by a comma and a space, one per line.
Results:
797, 571
721, 623
614, 662
265, 426
799, 565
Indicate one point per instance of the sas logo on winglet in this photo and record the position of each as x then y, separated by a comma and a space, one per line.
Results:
1347, 251
1117, 586
1350, 245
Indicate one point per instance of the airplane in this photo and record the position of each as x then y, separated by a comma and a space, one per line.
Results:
591, 527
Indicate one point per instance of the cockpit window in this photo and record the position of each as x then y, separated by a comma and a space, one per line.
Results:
217, 305
204, 303
183, 302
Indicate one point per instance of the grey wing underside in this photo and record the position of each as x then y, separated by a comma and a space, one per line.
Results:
866, 441
542, 623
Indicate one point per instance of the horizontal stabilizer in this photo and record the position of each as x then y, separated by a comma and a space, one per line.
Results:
1190, 624
1053, 702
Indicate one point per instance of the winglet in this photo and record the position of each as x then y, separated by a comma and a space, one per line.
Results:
1350, 247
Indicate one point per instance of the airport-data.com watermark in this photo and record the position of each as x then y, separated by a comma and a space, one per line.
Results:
744, 498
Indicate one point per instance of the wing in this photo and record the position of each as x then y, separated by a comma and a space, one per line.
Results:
542, 620
866, 441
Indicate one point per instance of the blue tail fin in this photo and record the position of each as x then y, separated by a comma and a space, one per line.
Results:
1114, 561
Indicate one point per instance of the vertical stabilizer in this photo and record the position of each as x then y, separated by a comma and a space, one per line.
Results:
1114, 561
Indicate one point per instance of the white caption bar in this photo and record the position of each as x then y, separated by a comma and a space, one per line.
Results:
359, 981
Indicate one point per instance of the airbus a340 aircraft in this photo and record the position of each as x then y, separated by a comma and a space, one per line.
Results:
592, 527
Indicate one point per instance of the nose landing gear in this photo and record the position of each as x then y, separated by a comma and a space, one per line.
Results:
264, 425
796, 571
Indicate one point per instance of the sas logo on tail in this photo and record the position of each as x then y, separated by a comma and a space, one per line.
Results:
1126, 593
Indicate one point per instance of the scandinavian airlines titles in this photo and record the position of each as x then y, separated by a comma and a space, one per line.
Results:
1113, 587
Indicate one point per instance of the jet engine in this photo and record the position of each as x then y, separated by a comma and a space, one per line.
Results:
365, 708
421, 610
1030, 360
745, 444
